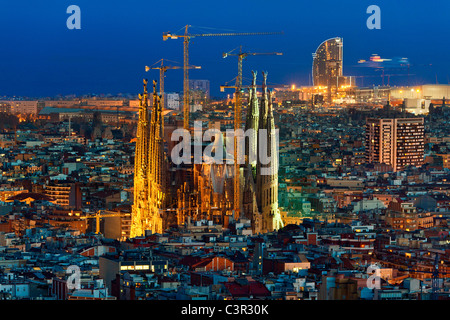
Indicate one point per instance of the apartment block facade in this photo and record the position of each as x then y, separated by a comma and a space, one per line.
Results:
397, 142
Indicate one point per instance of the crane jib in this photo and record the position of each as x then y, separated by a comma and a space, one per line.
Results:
234, 34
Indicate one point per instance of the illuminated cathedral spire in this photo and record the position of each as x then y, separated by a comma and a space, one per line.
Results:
251, 124
260, 196
267, 165
158, 166
150, 187
141, 192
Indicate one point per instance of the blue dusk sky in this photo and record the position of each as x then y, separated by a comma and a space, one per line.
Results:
40, 56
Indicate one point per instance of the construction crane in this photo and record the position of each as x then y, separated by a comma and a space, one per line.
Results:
101, 214
237, 117
162, 70
187, 37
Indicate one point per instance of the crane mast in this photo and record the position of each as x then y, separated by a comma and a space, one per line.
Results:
162, 74
237, 126
186, 99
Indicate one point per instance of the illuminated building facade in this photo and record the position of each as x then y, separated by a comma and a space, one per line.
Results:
260, 194
403, 215
207, 195
204, 191
327, 65
395, 142
150, 172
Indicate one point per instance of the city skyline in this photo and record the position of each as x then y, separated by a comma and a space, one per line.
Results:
116, 41
326, 178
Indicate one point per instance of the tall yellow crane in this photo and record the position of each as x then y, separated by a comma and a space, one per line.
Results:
237, 118
187, 37
162, 71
